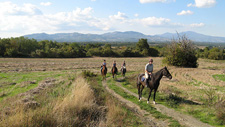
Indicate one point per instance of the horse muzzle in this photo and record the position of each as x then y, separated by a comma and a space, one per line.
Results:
170, 77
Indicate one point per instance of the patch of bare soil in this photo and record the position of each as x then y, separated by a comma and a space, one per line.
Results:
183, 119
148, 120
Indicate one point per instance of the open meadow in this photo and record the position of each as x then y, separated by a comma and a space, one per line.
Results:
46, 91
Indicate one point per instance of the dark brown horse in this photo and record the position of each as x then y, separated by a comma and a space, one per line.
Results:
104, 72
114, 71
153, 83
123, 71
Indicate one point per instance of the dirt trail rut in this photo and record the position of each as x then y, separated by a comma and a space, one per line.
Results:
148, 120
183, 119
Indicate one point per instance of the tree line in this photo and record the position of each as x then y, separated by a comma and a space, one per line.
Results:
24, 47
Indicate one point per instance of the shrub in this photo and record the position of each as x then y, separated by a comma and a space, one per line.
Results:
210, 97
86, 73
181, 53
220, 111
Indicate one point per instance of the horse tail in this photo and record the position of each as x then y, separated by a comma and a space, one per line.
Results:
138, 80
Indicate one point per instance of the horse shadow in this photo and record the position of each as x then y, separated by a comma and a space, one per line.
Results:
175, 100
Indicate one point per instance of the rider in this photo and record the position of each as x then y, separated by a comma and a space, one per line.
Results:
104, 64
123, 65
114, 65
148, 71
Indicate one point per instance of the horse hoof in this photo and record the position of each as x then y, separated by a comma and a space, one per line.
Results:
147, 102
139, 100
154, 102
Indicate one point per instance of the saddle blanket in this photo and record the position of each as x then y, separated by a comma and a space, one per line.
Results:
142, 78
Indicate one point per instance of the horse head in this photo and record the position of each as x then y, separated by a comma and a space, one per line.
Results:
166, 73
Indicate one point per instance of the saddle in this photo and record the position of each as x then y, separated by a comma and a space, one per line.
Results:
143, 78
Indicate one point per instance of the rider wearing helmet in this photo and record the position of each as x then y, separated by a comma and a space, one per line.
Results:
148, 71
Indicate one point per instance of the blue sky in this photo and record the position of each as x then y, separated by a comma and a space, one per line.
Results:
151, 17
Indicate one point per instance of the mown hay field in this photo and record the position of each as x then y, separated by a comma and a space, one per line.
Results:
21, 77
189, 80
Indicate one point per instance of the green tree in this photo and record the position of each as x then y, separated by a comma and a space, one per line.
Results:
215, 54
143, 47
3, 45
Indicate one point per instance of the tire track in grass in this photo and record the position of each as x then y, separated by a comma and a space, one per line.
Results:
185, 120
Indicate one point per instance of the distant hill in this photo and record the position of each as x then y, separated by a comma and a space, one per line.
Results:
128, 36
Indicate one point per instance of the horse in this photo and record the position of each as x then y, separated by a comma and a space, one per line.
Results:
104, 72
153, 83
114, 71
123, 71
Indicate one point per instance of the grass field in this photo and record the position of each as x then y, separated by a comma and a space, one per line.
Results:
44, 83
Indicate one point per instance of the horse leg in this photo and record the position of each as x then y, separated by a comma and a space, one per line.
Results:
138, 86
142, 87
154, 96
149, 95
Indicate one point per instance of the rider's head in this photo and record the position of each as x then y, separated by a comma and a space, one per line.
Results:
150, 61
104, 60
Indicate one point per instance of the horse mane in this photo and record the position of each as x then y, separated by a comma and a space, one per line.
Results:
159, 71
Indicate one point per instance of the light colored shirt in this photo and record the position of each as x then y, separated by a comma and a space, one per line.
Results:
104, 64
149, 67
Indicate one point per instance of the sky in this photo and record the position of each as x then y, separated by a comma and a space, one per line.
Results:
150, 17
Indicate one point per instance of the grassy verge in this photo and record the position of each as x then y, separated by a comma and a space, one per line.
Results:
117, 114
208, 112
143, 105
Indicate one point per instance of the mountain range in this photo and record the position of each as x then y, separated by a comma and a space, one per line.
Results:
128, 36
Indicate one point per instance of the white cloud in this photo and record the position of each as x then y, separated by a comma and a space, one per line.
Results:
46, 3
136, 15
203, 3
8, 8
197, 25
154, 1
27, 19
154, 21
118, 16
93, 0
188, 12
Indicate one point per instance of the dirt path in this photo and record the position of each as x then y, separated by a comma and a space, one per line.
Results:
183, 119
148, 120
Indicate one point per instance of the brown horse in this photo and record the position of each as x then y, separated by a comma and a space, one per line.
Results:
153, 83
114, 71
104, 72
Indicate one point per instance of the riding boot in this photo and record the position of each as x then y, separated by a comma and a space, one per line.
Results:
146, 82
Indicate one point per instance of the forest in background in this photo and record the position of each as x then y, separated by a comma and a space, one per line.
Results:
31, 48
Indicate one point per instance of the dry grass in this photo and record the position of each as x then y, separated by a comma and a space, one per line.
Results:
115, 114
78, 108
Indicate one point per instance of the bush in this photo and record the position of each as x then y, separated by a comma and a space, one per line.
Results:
220, 111
181, 53
88, 74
